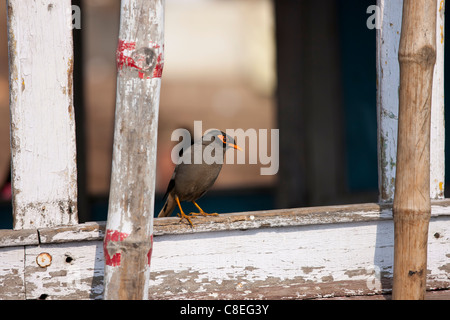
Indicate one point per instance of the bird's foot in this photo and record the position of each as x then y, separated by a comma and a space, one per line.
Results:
182, 215
203, 213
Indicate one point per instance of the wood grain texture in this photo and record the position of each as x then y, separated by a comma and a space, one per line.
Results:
128, 239
388, 81
412, 204
437, 131
75, 272
323, 252
12, 273
44, 173
285, 263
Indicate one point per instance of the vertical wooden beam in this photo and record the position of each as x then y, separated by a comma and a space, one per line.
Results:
129, 230
437, 142
412, 208
388, 75
44, 175
388, 78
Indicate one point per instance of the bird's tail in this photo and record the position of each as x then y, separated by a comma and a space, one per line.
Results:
168, 207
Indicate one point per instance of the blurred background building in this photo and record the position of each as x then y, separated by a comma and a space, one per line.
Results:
305, 67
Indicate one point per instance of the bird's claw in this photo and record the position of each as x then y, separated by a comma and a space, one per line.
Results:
182, 215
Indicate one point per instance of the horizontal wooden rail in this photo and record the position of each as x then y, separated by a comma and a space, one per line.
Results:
91, 231
313, 252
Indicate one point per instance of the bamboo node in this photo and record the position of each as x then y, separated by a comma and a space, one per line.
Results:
425, 56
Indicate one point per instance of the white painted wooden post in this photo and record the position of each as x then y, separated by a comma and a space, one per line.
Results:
388, 80
437, 142
42, 114
129, 230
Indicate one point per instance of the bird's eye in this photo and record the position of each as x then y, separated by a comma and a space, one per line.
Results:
223, 138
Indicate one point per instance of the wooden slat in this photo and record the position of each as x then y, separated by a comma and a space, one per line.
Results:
75, 272
437, 143
43, 148
12, 273
306, 261
291, 253
290, 262
388, 81
91, 231
430, 295
274, 218
14, 238
83, 232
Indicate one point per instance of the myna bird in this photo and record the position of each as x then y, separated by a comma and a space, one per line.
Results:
190, 180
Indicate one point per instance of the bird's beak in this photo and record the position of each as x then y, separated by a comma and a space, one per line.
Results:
235, 146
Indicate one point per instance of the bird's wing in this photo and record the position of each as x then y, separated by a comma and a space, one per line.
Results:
171, 183
168, 207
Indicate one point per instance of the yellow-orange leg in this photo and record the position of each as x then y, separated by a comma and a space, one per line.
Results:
182, 215
203, 213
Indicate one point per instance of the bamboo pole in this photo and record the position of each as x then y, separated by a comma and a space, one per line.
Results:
44, 171
412, 208
129, 230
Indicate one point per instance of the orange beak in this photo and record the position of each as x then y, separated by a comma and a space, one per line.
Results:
235, 146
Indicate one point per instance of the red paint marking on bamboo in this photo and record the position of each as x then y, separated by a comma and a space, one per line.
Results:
157, 72
122, 59
112, 235
125, 60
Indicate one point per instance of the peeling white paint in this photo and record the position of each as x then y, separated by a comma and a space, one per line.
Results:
81, 276
140, 59
42, 114
217, 261
437, 134
388, 81
307, 260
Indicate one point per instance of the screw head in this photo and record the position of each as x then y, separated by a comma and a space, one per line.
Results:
44, 260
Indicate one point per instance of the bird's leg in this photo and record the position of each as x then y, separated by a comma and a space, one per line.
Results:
203, 213
182, 215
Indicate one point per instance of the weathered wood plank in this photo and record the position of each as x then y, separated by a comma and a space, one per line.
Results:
14, 238
12, 273
224, 222
43, 148
292, 262
437, 143
429, 295
280, 254
75, 271
82, 232
388, 81
288, 217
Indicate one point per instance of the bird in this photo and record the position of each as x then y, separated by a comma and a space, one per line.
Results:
191, 180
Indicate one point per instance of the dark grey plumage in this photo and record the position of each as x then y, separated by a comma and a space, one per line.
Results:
190, 181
